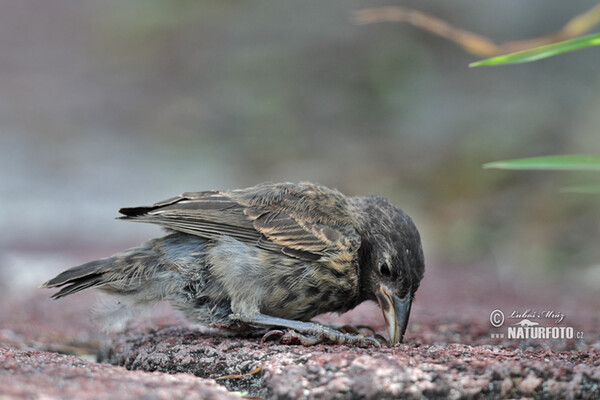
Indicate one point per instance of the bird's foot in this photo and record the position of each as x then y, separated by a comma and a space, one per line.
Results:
323, 336
289, 337
350, 328
308, 333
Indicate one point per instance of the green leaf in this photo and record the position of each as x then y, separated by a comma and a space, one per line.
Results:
583, 189
538, 53
562, 163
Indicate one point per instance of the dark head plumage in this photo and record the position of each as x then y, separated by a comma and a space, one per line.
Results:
390, 257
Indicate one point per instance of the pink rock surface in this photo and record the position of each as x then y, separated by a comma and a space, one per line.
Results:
327, 372
37, 374
449, 351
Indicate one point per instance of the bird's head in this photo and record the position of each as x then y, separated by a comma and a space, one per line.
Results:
391, 260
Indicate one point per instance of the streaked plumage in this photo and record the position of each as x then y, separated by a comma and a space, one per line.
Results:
244, 259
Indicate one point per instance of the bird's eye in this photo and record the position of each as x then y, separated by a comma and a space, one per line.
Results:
384, 269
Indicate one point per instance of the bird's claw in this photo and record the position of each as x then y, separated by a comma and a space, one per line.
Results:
271, 334
330, 336
350, 328
381, 339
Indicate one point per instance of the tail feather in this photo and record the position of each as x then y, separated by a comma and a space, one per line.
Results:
147, 273
157, 270
78, 285
78, 272
81, 277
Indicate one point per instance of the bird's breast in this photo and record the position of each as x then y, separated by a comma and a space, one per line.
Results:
307, 289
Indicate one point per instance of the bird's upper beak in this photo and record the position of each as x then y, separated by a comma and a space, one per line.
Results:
396, 311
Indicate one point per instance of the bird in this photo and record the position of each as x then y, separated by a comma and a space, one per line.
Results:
265, 258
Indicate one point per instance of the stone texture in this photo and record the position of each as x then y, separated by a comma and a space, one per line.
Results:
42, 375
330, 372
448, 351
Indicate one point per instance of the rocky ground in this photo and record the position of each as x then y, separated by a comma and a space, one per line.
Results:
50, 349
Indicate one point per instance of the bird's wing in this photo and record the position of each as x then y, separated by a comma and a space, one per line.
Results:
304, 221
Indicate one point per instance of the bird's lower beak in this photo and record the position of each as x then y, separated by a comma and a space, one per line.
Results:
396, 311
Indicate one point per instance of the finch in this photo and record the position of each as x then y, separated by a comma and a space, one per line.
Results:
271, 256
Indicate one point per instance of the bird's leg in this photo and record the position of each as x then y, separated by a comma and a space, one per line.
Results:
306, 333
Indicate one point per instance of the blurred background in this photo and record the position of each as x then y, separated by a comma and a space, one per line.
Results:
105, 104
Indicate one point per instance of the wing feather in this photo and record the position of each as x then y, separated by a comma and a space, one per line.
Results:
304, 221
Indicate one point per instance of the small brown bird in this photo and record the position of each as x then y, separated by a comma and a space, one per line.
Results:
269, 256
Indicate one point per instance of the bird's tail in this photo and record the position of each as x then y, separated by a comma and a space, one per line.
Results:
123, 273
81, 277
146, 274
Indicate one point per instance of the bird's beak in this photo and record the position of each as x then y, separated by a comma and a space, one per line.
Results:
396, 311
